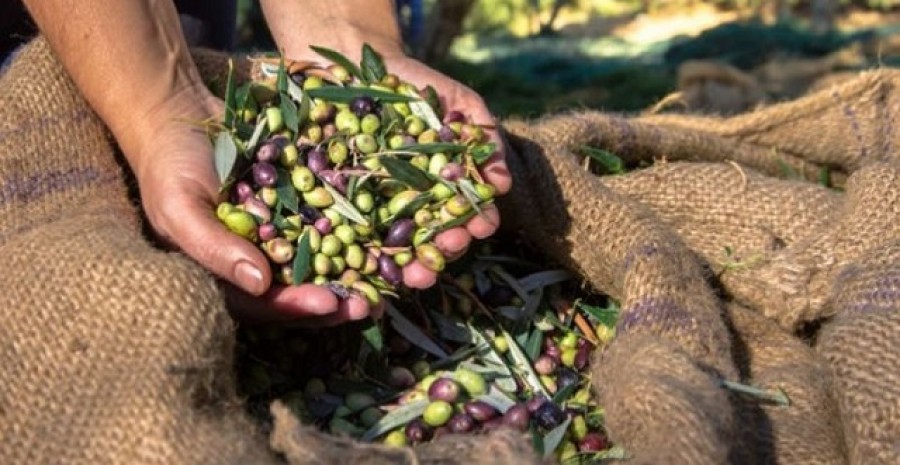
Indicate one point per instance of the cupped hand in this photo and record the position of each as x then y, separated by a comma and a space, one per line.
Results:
455, 96
180, 190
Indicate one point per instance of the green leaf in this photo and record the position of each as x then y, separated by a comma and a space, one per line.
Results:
406, 173
395, 419
412, 333
497, 399
552, 439
543, 279
437, 147
261, 128
225, 155
289, 113
301, 265
606, 316
450, 329
489, 356
372, 335
523, 364
469, 192
776, 396
458, 221
286, 192
372, 66
563, 394
431, 96
423, 110
481, 153
347, 94
281, 79
243, 98
610, 162
230, 101
532, 346
338, 59
825, 176
344, 207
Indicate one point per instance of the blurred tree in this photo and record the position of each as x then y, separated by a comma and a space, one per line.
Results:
444, 24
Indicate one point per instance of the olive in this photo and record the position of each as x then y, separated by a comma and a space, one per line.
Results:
389, 271
549, 415
480, 411
400, 233
444, 389
517, 417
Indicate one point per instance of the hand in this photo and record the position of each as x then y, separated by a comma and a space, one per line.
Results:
455, 96
179, 189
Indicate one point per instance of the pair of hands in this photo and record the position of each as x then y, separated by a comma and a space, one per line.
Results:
180, 189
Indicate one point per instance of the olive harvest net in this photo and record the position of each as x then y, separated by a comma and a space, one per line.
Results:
732, 263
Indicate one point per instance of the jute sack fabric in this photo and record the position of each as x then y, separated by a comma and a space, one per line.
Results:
113, 351
789, 250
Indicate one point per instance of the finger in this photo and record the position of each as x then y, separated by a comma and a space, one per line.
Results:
354, 308
418, 276
284, 303
453, 242
199, 234
496, 173
484, 224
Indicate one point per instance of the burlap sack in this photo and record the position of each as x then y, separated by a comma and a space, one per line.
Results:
112, 351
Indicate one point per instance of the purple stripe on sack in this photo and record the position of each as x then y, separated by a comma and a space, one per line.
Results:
854, 121
20, 188
626, 135
663, 315
644, 251
45, 121
882, 297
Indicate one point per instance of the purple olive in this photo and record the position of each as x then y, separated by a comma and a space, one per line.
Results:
446, 134
454, 116
444, 389
317, 160
401, 378
517, 417
461, 423
593, 442
549, 415
389, 270
309, 214
453, 171
267, 232
583, 356
493, 424
361, 106
536, 402
400, 233
264, 174
566, 377
268, 152
337, 179
480, 411
323, 225
553, 352
417, 431
298, 78
243, 191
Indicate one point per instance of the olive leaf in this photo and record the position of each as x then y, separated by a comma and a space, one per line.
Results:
286, 193
225, 155
261, 127
489, 356
450, 329
412, 333
372, 335
395, 419
372, 66
497, 399
423, 110
532, 345
344, 207
436, 147
289, 112
606, 316
431, 96
406, 173
347, 94
563, 394
610, 162
543, 279
469, 192
553, 438
230, 101
482, 152
301, 265
281, 79
339, 59
410, 208
524, 365
775, 396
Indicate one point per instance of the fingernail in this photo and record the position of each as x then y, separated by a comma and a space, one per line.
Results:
249, 277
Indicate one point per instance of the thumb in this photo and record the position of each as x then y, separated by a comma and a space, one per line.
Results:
202, 236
